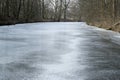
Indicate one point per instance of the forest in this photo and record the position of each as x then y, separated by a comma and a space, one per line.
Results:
18, 11
101, 13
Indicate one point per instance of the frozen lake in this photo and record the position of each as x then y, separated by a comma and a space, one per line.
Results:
58, 51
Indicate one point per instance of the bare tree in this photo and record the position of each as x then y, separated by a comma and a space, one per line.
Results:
66, 5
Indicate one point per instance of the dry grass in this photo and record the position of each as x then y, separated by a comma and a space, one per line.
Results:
109, 25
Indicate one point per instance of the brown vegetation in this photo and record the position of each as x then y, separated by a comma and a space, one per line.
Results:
101, 13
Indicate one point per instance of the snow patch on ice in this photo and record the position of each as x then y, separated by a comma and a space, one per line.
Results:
117, 36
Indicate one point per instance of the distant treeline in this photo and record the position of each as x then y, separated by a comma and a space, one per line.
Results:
102, 13
19, 11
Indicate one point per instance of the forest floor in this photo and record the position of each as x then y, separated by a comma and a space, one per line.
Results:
107, 25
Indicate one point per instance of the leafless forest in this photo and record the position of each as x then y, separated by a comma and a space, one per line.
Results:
102, 13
